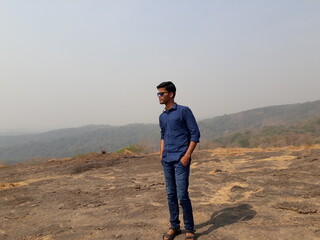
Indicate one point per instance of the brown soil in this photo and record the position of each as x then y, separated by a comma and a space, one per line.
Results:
236, 194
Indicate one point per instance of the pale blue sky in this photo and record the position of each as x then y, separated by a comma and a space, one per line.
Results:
68, 63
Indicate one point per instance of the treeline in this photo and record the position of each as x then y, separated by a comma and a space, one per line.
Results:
256, 119
70, 142
273, 136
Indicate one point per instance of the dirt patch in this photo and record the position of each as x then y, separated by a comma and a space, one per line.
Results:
4, 186
299, 207
236, 194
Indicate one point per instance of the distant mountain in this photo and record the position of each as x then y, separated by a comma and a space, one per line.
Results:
225, 130
258, 118
73, 141
305, 133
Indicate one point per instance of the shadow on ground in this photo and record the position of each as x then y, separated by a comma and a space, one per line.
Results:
227, 216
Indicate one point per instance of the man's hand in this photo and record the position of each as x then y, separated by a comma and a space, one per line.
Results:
161, 148
187, 156
185, 159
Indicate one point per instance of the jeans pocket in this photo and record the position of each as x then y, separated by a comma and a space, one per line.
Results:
182, 164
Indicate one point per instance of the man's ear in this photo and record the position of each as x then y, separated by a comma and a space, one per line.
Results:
171, 95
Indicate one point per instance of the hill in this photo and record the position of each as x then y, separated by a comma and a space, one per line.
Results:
254, 127
258, 118
69, 142
307, 132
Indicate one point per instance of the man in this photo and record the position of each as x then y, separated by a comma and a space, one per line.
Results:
179, 137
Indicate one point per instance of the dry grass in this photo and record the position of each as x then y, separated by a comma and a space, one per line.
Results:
8, 185
243, 151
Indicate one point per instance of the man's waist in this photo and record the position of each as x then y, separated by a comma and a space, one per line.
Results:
172, 156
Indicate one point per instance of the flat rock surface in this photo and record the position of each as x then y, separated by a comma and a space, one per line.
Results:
236, 194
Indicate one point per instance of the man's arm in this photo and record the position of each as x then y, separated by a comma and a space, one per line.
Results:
187, 156
195, 135
161, 148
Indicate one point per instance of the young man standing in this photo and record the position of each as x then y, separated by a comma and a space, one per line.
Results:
179, 137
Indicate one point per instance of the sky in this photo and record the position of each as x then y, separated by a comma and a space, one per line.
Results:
70, 63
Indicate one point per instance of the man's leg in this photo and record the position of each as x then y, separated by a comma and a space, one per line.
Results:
182, 181
169, 174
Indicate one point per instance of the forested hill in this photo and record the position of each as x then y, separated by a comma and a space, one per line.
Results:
74, 141
93, 138
284, 115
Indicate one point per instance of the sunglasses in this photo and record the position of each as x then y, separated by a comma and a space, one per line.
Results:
160, 94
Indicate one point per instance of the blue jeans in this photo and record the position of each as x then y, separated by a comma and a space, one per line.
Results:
177, 183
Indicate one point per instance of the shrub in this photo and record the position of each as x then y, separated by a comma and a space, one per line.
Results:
135, 148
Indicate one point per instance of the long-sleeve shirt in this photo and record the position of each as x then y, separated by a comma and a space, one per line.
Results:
178, 128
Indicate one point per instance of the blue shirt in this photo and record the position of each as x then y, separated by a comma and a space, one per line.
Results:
178, 128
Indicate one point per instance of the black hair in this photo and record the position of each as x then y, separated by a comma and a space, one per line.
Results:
169, 86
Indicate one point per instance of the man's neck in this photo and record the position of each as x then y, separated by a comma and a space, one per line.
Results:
169, 105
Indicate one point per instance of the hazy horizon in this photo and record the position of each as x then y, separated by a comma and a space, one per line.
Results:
74, 63
13, 132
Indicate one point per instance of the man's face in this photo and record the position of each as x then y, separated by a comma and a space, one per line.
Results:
164, 96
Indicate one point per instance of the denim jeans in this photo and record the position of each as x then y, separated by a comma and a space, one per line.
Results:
177, 183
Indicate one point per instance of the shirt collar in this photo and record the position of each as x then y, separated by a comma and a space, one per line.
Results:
174, 107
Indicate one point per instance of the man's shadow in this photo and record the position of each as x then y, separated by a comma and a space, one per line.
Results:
227, 216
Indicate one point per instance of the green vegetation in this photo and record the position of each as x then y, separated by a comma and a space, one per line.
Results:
79, 155
134, 148
71, 142
256, 119
307, 132
238, 139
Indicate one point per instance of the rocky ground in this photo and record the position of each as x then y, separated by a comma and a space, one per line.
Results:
236, 194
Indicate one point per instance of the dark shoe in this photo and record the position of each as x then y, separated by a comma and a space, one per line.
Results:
191, 237
171, 236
